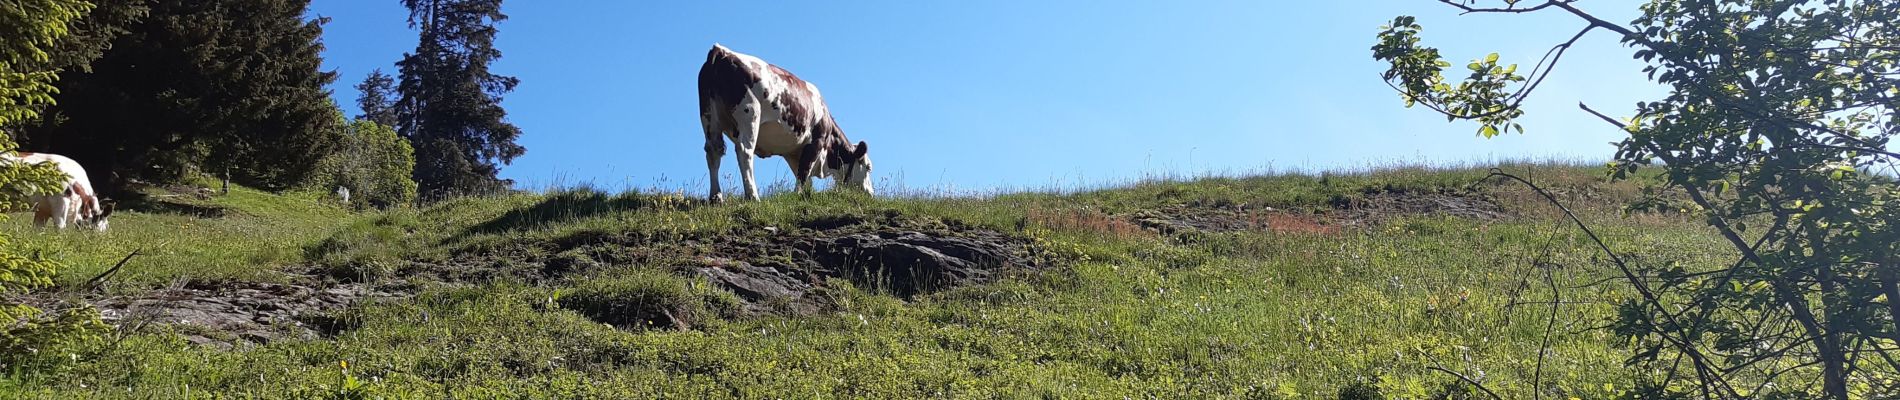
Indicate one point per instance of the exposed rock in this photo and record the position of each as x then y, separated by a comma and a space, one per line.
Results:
903, 263
909, 263
762, 286
772, 271
237, 311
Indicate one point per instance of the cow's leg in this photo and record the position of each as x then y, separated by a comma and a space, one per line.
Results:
42, 210
810, 159
747, 127
63, 209
800, 172
715, 148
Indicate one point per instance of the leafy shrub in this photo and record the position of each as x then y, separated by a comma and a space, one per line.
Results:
373, 163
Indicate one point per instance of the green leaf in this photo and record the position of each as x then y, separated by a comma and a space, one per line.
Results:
1488, 131
1491, 58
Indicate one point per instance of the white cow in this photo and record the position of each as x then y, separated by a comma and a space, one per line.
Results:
75, 203
767, 111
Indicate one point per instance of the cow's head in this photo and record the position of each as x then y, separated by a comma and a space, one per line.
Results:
853, 169
97, 221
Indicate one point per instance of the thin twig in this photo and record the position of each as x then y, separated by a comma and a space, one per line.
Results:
1508, 9
95, 282
1556, 300
1650, 298
1462, 377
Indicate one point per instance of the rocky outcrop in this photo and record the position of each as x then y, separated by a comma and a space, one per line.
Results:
226, 313
904, 263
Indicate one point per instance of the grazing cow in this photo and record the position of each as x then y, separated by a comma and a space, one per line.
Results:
75, 202
767, 111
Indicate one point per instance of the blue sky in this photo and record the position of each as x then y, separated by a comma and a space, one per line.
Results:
989, 94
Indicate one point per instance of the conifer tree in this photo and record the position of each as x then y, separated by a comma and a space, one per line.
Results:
451, 102
214, 86
377, 98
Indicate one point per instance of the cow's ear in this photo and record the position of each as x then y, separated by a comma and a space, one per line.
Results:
863, 149
106, 208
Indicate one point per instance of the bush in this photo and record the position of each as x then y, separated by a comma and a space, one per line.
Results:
644, 298
373, 163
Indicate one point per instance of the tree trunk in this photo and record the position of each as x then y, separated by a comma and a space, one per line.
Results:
1826, 341
1890, 284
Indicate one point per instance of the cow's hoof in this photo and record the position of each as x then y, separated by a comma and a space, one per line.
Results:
716, 198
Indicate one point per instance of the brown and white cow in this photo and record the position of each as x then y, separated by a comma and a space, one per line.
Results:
75, 203
767, 111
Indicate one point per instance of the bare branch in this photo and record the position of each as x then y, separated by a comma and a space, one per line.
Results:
1462, 377
1632, 35
1512, 8
1537, 374
1803, 312
1541, 71
1650, 299
96, 281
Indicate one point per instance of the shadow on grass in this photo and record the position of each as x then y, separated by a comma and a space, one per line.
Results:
566, 207
159, 200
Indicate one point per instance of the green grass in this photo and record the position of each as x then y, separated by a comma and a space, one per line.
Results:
1246, 315
259, 234
638, 298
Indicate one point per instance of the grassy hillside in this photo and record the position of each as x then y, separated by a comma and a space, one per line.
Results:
1259, 287
186, 232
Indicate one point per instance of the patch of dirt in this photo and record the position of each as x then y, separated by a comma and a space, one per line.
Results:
1186, 218
1372, 209
1376, 208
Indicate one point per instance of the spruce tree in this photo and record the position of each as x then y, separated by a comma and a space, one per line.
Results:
213, 86
377, 98
92, 34
451, 103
